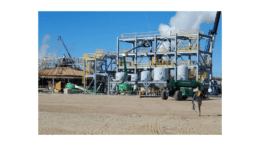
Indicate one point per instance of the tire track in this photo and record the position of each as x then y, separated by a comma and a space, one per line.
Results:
186, 128
104, 127
156, 127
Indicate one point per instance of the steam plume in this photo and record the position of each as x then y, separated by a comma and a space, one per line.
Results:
44, 49
187, 21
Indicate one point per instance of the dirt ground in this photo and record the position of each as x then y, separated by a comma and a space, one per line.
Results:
120, 115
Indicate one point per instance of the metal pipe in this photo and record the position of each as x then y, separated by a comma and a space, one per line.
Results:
135, 54
84, 76
108, 85
95, 75
117, 55
198, 51
52, 83
155, 49
175, 78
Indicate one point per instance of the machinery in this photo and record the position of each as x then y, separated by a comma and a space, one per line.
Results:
214, 88
123, 87
66, 60
180, 89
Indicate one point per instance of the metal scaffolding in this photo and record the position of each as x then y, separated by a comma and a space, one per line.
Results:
199, 69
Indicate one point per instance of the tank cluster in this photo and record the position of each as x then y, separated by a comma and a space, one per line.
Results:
155, 76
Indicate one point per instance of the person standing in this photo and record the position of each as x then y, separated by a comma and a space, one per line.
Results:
197, 97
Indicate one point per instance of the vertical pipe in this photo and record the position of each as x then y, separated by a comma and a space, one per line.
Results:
111, 64
95, 79
52, 82
133, 58
189, 59
135, 54
105, 86
175, 67
198, 51
84, 76
108, 85
117, 55
155, 49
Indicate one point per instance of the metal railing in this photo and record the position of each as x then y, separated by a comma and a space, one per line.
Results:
157, 33
192, 47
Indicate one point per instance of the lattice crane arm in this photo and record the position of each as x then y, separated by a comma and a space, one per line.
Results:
64, 45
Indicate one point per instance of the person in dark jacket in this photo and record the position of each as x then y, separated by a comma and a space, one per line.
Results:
197, 97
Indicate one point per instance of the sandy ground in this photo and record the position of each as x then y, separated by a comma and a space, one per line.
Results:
120, 115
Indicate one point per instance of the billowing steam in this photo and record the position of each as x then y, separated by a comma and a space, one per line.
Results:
187, 21
42, 52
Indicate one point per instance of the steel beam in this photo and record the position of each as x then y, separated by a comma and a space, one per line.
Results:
84, 76
95, 77
198, 51
117, 54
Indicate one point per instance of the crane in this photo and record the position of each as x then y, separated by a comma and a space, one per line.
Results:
67, 61
127, 87
213, 33
64, 45
215, 28
125, 54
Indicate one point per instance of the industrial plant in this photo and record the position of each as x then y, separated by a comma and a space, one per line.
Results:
155, 64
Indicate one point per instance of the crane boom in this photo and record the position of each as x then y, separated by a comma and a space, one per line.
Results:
64, 46
215, 28
125, 54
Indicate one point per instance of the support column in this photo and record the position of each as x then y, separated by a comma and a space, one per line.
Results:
189, 59
95, 79
105, 77
155, 49
117, 54
108, 85
175, 68
84, 76
52, 83
135, 55
198, 51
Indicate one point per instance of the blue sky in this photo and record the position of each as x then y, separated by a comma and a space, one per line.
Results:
83, 32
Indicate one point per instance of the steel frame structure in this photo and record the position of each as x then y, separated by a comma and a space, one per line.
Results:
201, 63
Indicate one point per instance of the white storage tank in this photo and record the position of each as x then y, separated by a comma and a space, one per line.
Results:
172, 73
134, 77
182, 72
161, 74
145, 76
120, 75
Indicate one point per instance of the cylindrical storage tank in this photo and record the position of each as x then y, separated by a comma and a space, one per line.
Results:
120, 75
145, 76
134, 77
172, 73
182, 72
161, 74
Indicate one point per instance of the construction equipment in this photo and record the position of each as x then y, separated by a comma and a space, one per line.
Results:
66, 60
210, 48
123, 87
179, 89
64, 45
